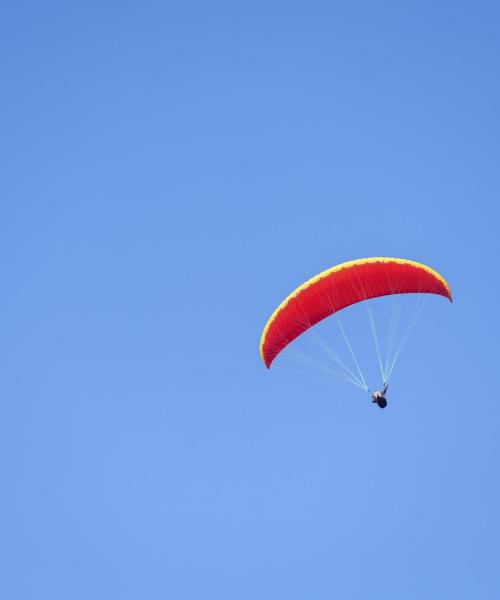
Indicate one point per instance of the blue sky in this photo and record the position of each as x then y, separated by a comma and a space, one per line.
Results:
171, 171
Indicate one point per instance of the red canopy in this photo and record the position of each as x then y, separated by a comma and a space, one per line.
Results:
339, 287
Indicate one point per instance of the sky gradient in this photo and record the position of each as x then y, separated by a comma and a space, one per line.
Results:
172, 170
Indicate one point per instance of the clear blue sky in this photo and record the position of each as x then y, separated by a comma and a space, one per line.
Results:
171, 170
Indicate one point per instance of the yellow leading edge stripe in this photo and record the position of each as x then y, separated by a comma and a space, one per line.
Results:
345, 265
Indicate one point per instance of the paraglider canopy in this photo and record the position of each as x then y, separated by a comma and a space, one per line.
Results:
340, 287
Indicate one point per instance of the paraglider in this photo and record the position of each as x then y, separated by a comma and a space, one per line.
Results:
379, 398
339, 287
